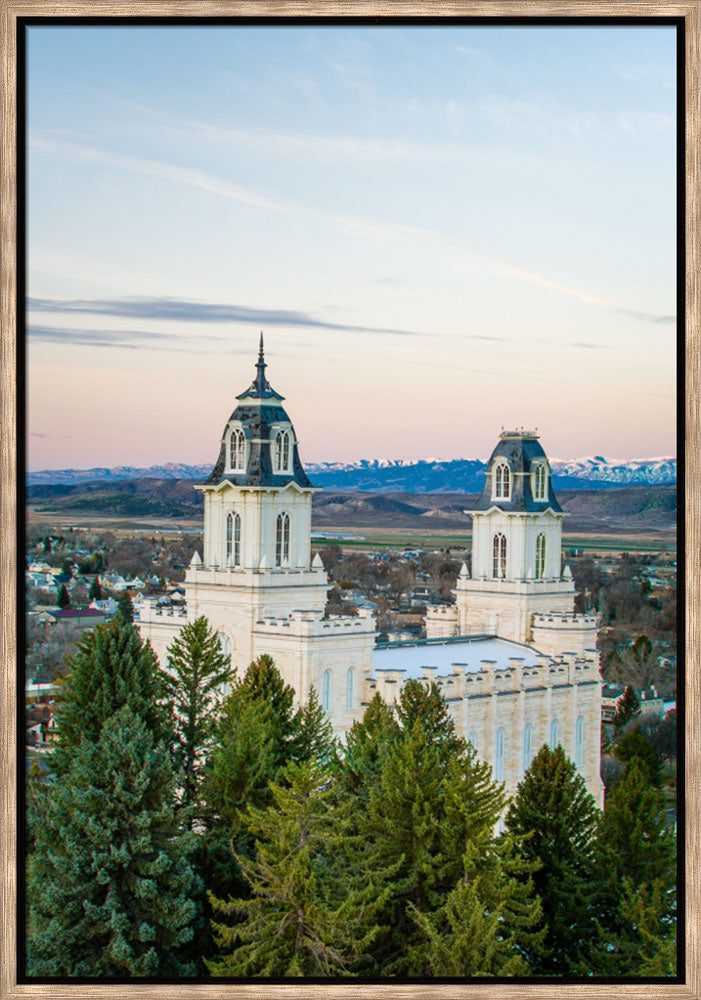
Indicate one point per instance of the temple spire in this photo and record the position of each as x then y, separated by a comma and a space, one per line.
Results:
260, 387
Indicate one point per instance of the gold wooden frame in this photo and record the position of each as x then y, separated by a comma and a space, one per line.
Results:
10, 11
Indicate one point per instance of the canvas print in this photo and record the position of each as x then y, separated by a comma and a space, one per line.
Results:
351, 508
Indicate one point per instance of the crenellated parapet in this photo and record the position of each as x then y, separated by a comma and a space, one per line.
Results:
553, 632
441, 622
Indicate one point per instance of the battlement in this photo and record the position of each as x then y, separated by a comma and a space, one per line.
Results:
448, 611
233, 577
310, 624
557, 619
151, 612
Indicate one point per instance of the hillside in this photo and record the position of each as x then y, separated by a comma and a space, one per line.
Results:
621, 509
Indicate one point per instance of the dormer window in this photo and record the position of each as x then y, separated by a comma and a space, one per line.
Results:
501, 482
236, 451
540, 482
283, 451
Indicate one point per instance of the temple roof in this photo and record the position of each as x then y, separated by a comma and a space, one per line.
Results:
258, 413
522, 450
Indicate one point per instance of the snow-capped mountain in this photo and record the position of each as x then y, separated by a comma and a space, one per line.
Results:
390, 475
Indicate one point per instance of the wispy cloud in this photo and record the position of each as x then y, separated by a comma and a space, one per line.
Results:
584, 296
184, 311
585, 344
131, 339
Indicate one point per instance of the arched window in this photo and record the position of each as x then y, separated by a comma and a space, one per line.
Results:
282, 451
540, 557
472, 738
499, 757
225, 643
579, 742
237, 450
326, 690
527, 752
541, 481
233, 539
553, 734
502, 482
350, 685
499, 557
282, 540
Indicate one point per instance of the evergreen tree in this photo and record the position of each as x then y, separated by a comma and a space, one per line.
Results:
263, 680
477, 931
314, 740
310, 913
125, 608
110, 668
63, 599
198, 673
628, 708
557, 818
635, 854
110, 884
425, 702
95, 592
366, 744
635, 744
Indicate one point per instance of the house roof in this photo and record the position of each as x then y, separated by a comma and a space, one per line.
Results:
522, 450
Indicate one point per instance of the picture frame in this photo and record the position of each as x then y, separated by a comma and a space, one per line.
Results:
11, 13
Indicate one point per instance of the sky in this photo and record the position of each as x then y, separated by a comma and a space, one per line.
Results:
441, 231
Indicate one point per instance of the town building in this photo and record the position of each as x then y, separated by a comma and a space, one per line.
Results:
517, 666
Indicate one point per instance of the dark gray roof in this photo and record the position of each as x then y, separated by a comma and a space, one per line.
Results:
257, 419
521, 449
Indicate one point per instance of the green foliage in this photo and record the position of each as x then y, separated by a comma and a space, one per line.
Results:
635, 854
198, 672
95, 592
63, 600
628, 708
635, 744
125, 608
263, 681
478, 930
366, 744
310, 913
425, 702
431, 800
557, 818
110, 884
314, 740
110, 668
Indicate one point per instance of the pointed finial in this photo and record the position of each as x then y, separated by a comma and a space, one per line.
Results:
260, 350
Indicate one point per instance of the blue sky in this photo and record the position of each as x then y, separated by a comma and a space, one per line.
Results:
441, 231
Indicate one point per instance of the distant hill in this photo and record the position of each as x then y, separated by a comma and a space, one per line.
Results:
401, 476
614, 509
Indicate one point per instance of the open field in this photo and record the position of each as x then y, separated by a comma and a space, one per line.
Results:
364, 539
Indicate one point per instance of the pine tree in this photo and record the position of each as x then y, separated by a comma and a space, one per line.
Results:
635, 855
110, 668
557, 816
198, 673
314, 740
110, 883
635, 744
309, 913
63, 599
628, 708
95, 592
237, 776
366, 744
477, 930
263, 680
125, 608
425, 702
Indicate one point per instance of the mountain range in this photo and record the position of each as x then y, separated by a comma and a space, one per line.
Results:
382, 475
